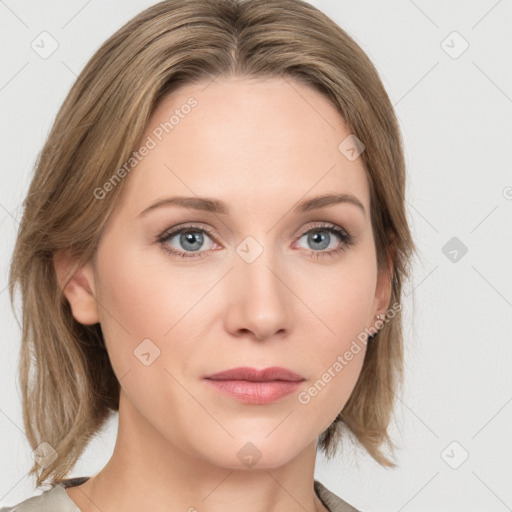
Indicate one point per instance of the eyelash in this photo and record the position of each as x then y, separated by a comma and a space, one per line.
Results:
346, 240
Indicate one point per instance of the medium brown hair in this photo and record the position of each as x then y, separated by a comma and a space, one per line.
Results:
68, 386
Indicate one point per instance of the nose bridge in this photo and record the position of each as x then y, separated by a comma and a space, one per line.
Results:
262, 302
258, 266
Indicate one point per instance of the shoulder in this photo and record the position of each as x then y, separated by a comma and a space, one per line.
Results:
330, 500
55, 499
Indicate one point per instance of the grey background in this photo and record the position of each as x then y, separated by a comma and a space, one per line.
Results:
455, 111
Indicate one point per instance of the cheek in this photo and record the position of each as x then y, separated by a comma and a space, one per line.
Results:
140, 299
341, 298
341, 304
144, 297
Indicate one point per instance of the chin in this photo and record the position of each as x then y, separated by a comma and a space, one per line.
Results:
252, 452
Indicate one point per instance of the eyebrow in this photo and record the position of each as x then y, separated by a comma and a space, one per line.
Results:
220, 207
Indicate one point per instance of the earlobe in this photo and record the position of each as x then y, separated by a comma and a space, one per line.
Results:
77, 288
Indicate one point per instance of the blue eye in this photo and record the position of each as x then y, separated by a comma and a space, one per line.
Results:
188, 241
323, 237
319, 239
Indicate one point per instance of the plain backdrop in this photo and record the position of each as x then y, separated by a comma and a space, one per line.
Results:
447, 69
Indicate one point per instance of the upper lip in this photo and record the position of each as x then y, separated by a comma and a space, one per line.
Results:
254, 375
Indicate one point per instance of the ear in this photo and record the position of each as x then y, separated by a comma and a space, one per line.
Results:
77, 288
383, 288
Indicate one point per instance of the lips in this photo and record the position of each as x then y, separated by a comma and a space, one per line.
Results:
257, 387
253, 375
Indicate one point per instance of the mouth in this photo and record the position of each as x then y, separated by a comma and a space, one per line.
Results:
254, 386
254, 375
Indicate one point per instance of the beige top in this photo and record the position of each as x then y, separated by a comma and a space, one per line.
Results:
56, 499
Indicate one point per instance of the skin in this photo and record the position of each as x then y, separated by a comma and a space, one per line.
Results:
260, 146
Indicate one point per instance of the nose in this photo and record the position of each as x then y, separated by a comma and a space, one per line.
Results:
260, 302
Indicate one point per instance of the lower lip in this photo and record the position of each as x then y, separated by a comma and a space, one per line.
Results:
255, 392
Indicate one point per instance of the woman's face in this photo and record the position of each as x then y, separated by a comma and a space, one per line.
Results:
262, 275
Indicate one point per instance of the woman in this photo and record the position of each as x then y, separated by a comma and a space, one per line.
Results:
215, 226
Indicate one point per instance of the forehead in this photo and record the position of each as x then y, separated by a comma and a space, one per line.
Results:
245, 141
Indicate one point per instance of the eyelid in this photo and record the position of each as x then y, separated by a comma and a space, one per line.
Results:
184, 227
320, 224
